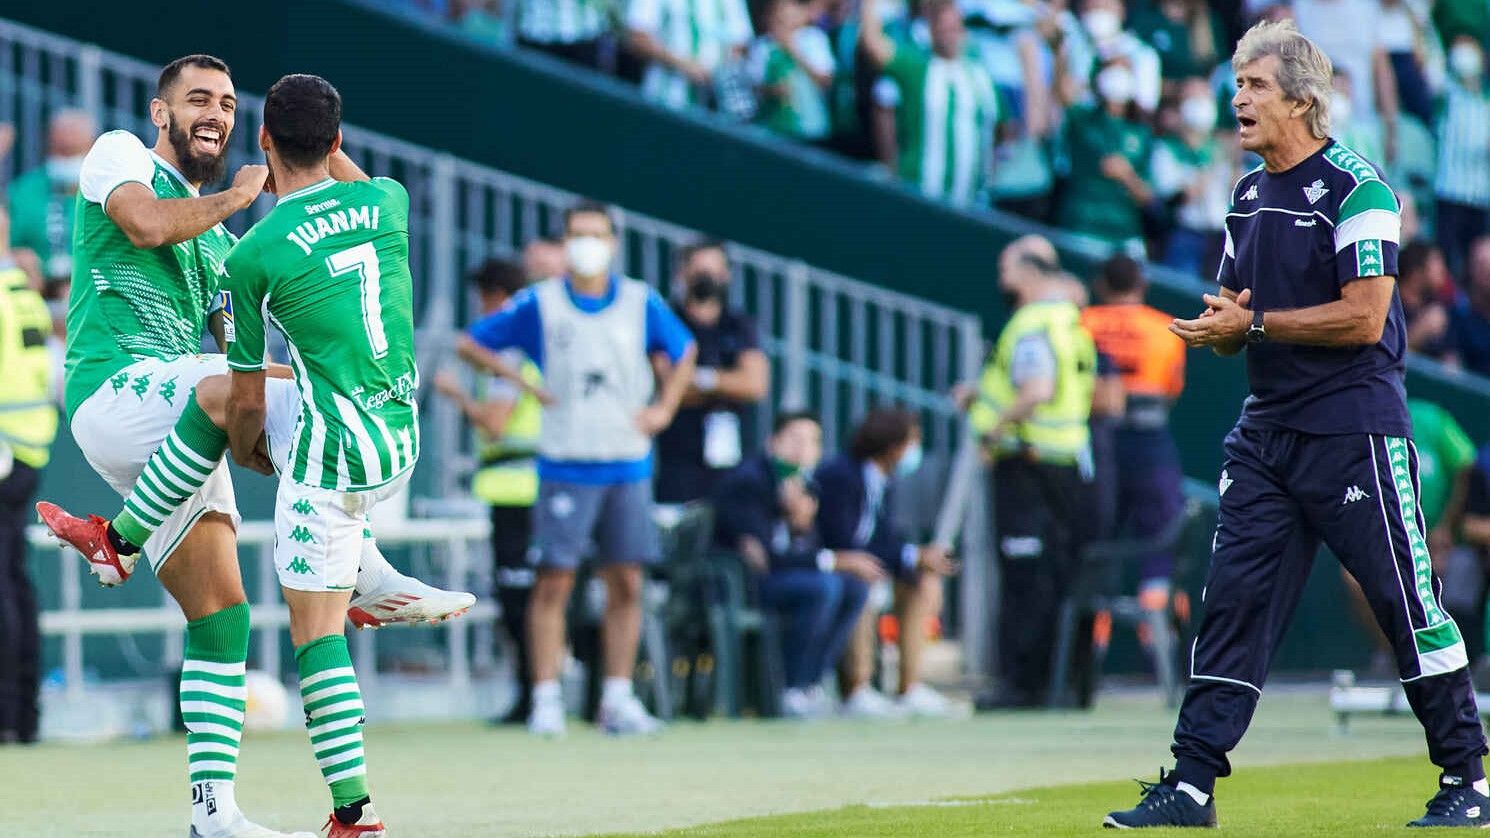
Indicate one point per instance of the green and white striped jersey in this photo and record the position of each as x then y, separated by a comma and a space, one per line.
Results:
130, 303
944, 122
329, 268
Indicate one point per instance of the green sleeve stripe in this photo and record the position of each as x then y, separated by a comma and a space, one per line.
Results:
1368, 195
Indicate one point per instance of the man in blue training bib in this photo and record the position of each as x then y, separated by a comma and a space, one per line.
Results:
594, 335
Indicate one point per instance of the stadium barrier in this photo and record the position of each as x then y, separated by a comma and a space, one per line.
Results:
836, 345
72, 622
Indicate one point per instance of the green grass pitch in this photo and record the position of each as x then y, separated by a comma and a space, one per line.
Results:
1043, 774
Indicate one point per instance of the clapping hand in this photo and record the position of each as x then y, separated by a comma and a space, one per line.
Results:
1225, 321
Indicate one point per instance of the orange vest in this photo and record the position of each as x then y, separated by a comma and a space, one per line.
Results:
1137, 339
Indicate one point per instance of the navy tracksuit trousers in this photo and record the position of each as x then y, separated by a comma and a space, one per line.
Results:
1282, 493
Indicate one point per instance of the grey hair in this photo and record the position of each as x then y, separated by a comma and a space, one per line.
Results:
1304, 71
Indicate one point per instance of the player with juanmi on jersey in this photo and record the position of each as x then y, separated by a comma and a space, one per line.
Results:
147, 409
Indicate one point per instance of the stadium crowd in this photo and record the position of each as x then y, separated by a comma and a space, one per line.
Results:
1107, 118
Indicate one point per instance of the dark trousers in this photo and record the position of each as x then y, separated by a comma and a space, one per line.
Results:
511, 534
1457, 226
1037, 515
1151, 494
20, 630
1282, 492
819, 611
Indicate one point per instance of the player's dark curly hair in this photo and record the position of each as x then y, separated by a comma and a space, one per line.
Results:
303, 116
172, 71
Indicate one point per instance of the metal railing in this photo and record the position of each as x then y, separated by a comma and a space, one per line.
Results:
452, 537
837, 346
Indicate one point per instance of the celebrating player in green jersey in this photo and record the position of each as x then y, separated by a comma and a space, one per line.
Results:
150, 253
329, 267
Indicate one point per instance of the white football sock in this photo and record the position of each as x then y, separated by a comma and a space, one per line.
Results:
547, 691
373, 567
213, 806
615, 690
1195, 794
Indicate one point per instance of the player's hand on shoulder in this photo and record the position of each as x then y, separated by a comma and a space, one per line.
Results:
250, 181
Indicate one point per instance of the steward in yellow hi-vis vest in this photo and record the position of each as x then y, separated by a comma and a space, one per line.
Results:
1046, 339
507, 418
28, 418
508, 475
28, 423
1030, 411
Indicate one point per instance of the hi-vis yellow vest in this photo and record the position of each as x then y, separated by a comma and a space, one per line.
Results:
1057, 430
509, 471
28, 419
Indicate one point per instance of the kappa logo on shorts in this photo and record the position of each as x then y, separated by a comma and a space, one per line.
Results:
299, 565
303, 507
302, 535
141, 386
118, 382
168, 391
562, 505
1224, 483
1353, 494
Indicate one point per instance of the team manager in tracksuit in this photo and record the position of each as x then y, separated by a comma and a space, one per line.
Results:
1323, 449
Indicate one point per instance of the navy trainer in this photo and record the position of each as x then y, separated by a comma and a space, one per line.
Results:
1456, 805
1164, 805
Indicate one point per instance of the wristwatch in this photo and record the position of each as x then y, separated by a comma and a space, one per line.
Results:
1257, 334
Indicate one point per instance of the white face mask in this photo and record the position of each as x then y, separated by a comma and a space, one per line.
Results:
1115, 84
1340, 110
1466, 61
1198, 114
1102, 24
65, 170
588, 255
911, 461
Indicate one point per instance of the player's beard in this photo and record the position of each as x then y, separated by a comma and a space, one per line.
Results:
196, 168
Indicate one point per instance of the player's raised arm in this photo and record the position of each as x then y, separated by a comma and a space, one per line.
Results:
344, 169
117, 173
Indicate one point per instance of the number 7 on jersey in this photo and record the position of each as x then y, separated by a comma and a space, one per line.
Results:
363, 260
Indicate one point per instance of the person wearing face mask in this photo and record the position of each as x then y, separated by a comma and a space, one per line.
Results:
1102, 40
616, 363
704, 439
1360, 131
944, 157
766, 508
1462, 188
1030, 411
856, 492
42, 201
1193, 174
1109, 148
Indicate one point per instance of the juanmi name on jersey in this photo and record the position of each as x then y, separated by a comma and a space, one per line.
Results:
312, 230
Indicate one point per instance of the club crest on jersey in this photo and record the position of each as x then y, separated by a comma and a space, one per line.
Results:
1315, 191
